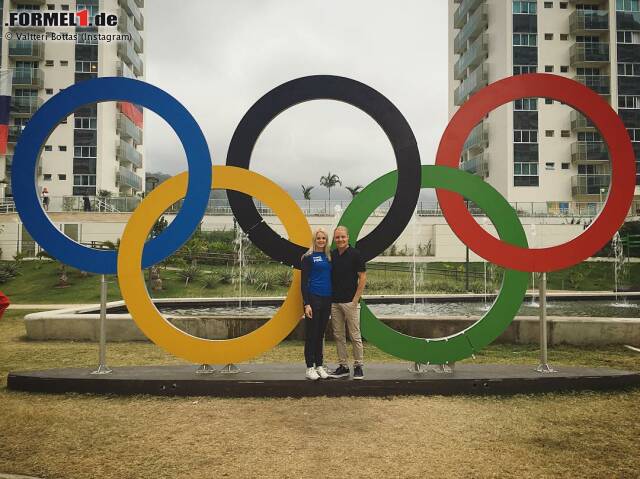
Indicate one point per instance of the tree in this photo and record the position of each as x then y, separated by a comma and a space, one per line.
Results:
306, 192
330, 181
354, 190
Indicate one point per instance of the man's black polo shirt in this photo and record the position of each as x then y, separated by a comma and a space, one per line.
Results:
344, 274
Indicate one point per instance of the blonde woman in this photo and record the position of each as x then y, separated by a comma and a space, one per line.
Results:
316, 294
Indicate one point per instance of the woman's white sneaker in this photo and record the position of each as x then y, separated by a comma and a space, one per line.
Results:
312, 374
322, 372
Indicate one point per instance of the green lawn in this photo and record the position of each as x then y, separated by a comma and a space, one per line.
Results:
587, 435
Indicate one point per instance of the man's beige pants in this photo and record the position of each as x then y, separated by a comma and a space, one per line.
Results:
346, 314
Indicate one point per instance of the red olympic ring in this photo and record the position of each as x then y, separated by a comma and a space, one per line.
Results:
621, 189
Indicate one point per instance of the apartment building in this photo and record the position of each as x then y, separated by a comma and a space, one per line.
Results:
99, 146
538, 150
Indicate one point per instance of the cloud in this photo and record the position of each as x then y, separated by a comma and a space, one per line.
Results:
219, 57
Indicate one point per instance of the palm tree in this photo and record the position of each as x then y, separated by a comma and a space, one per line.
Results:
306, 192
329, 182
354, 190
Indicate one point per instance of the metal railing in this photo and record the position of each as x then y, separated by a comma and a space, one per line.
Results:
599, 83
586, 53
333, 208
588, 21
476, 24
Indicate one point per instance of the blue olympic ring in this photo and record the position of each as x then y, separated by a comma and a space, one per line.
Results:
41, 125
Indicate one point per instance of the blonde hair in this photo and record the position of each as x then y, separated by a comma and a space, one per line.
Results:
327, 246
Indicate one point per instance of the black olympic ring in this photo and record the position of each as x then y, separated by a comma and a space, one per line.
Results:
327, 87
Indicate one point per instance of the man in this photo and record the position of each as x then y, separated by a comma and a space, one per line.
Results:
348, 276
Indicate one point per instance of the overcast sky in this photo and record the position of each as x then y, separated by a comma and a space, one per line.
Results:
218, 57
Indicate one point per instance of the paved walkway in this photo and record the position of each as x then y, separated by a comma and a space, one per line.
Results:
49, 306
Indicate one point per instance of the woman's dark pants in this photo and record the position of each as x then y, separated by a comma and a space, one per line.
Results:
314, 330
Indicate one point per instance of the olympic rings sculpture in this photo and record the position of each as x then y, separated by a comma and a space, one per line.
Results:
452, 187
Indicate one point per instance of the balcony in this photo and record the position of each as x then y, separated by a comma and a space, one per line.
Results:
596, 184
589, 54
125, 153
128, 178
14, 134
599, 83
128, 55
126, 26
25, 105
585, 22
26, 50
478, 79
128, 130
28, 78
478, 165
579, 122
132, 8
589, 152
478, 22
460, 15
474, 56
478, 138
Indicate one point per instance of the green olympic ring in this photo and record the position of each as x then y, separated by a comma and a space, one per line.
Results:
514, 284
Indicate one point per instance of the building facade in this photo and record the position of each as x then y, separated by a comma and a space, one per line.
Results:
536, 149
100, 146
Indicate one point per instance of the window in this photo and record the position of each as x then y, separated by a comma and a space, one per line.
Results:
524, 7
87, 123
84, 180
64, 7
548, 36
86, 67
589, 136
93, 9
525, 136
50, 6
628, 5
48, 148
525, 168
564, 36
550, 166
629, 102
564, 68
565, 166
526, 104
548, 101
629, 69
524, 69
548, 4
46, 177
48, 63
525, 39
525, 174
48, 91
565, 133
62, 177
549, 133
628, 37
548, 68
634, 134
62, 148
563, 5
85, 151
64, 63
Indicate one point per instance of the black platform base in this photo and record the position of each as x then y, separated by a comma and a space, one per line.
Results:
287, 380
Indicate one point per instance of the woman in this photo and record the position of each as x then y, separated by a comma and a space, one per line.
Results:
316, 294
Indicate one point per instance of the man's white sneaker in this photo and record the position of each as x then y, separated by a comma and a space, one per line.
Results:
322, 372
312, 374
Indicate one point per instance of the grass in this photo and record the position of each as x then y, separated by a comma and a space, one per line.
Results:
37, 282
590, 435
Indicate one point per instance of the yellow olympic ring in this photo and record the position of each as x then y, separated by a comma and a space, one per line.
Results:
140, 305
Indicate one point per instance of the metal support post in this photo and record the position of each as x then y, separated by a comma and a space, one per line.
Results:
466, 272
102, 366
543, 367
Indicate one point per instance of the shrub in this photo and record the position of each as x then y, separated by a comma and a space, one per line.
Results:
8, 271
211, 280
189, 273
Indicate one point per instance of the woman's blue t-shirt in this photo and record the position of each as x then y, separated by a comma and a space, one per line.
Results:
320, 277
